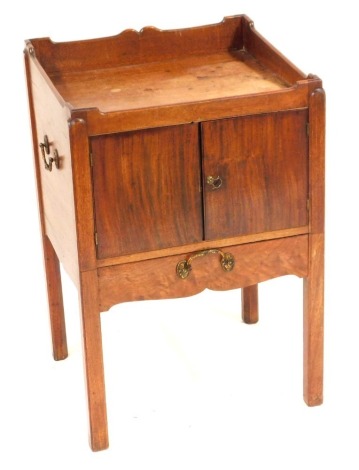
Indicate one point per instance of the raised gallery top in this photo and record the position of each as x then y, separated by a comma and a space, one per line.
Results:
155, 68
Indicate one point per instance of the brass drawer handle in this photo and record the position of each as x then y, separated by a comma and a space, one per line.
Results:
214, 182
45, 149
184, 267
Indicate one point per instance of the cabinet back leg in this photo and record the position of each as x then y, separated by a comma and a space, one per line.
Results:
93, 360
56, 306
250, 304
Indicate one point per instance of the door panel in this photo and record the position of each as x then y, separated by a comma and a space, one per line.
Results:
259, 164
147, 190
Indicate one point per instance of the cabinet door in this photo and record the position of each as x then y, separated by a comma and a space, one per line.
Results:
259, 170
147, 190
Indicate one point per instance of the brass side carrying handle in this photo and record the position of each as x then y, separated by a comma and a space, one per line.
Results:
45, 149
184, 267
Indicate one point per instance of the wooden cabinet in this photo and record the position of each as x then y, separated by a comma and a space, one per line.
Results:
170, 186
168, 162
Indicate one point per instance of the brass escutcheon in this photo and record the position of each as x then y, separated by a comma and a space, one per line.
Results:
214, 182
184, 267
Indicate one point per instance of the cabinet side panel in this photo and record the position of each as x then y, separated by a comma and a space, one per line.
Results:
50, 119
262, 162
147, 190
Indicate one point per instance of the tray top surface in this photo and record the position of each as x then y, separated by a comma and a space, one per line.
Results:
184, 80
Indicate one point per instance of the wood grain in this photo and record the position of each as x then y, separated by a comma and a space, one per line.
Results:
83, 194
56, 306
132, 48
196, 111
204, 245
314, 283
51, 262
262, 161
57, 197
250, 304
93, 360
314, 323
268, 55
157, 279
317, 160
147, 190
193, 78
117, 83
150, 105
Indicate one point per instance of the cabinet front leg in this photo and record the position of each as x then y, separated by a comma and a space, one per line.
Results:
314, 322
93, 360
250, 304
56, 306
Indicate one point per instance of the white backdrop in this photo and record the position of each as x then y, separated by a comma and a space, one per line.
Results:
188, 385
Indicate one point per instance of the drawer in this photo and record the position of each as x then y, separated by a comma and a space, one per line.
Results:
158, 278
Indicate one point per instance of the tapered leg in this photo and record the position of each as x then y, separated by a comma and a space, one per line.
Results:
313, 322
250, 304
93, 360
56, 307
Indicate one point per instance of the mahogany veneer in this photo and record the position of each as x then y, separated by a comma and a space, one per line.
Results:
168, 162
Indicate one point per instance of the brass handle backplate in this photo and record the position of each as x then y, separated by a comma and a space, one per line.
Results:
214, 182
184, 267
45, 150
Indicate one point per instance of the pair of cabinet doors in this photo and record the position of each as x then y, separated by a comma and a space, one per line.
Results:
171, 186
